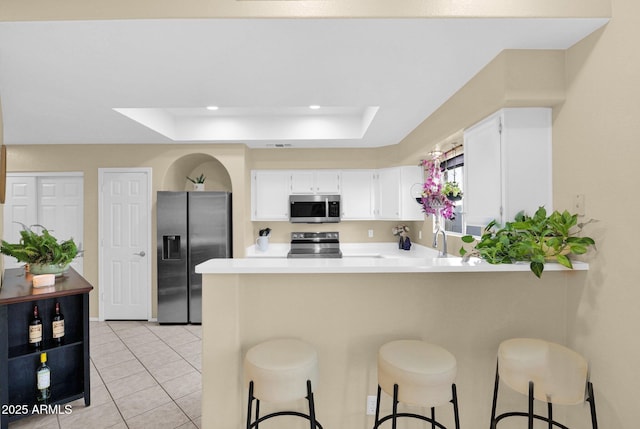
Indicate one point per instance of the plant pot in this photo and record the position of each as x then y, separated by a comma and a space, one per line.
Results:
56, 269
198, 187
454, 198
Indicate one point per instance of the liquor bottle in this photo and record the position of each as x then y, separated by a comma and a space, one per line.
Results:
35, 329
43, 380
58, 325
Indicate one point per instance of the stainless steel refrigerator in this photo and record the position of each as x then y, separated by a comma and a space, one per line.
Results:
192, 227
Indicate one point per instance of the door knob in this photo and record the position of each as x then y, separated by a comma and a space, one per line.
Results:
140, 253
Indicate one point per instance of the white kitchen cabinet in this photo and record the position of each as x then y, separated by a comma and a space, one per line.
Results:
393, 193
358, 197
383, 194
270, 191
315, 182
388, 193
507, 165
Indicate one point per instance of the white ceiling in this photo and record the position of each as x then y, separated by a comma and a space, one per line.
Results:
149, 81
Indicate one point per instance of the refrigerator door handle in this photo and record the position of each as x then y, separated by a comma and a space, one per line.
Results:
140, 253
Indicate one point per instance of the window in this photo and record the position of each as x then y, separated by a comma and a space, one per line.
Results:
452, 169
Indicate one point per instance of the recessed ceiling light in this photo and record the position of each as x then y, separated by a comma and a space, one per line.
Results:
314, 107
212, 107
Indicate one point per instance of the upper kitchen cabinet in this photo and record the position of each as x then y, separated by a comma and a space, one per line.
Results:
358, 197
507, 166
315, 182
393, 193
383, 194
270, 191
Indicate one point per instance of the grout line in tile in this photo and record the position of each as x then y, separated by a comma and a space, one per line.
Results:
151, 373
112, 325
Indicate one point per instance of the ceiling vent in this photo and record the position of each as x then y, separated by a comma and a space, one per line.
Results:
279, 145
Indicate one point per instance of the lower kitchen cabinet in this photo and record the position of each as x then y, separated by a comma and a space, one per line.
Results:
68, 361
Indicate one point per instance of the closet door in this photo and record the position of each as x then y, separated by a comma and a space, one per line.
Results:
20, 207
60, 209
53, 201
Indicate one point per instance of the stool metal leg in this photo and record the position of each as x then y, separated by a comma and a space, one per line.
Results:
256, 422
395, 415
531, 405
592, 405
456, 415
530, 413
395, 407
249, 404
495, 400
257, 412
312, 407
377, 420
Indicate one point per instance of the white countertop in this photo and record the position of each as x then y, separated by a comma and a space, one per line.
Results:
361, 258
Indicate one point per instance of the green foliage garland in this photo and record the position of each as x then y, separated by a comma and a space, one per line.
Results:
536, 239
43, 248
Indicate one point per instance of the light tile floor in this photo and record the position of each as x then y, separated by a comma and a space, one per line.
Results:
143, 375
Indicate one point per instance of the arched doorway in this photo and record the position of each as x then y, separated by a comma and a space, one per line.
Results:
192, 227
193, 165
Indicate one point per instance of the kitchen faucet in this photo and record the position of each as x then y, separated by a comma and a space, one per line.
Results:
442, 254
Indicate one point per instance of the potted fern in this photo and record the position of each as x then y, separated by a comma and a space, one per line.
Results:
41, 251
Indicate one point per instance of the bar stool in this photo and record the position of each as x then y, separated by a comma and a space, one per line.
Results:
544, 371
416, 373
281, 370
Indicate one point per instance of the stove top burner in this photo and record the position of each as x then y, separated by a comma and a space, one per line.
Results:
315, 245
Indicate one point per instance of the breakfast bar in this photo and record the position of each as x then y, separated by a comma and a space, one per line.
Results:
348, 307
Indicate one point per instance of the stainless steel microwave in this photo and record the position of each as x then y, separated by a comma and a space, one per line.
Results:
314, 208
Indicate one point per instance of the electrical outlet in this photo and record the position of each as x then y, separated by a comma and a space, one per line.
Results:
578, 204
370, 232
371, 405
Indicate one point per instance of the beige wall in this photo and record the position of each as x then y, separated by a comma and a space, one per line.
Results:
596, 141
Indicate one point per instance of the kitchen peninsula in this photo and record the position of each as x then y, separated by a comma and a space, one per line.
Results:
347, 308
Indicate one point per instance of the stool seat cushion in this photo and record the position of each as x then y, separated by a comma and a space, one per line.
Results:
559, 374
280, 369
423, 372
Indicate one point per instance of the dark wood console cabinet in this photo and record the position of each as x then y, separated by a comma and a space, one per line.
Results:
69, 362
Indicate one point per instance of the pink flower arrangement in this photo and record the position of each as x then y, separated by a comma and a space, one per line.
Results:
434, 201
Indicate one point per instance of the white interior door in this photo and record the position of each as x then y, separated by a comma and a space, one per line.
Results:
54, 200
125, 257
